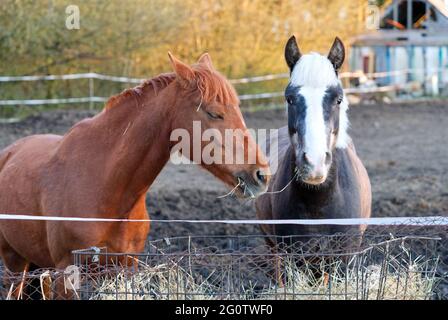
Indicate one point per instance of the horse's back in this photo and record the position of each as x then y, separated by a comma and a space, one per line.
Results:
43, 142
20, 168
32, 150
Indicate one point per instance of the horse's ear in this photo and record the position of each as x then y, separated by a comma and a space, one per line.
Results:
206, 60
337, 54
182, 70
292, 53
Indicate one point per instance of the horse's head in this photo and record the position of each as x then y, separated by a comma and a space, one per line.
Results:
317, 106
207, 109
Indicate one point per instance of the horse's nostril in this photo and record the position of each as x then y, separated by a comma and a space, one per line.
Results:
306, 160
327, 158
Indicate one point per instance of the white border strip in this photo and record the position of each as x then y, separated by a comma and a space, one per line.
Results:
413, 221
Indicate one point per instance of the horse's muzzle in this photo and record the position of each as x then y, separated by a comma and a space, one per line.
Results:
252, 184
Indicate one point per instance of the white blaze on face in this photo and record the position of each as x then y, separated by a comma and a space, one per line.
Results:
316, 71
315, 139
313, 74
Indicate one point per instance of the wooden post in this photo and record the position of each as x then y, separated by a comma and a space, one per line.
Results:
91, 92
409, 15
388, 65
440, 66
410, 74
425, 70
395, 11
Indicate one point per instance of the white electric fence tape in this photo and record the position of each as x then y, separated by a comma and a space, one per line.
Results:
410, 221
255, 96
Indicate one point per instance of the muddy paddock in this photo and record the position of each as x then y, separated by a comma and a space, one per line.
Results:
404, 147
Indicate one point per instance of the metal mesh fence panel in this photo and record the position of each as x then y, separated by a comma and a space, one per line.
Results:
386, 262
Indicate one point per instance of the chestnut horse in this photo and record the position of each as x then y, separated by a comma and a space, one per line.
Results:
103, 167
319, 174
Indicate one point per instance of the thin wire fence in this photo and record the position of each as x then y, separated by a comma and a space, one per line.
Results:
385, 263
92, 98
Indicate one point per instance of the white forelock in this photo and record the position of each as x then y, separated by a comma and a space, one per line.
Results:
313, 70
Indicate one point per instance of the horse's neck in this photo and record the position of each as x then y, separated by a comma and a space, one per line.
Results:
133, 145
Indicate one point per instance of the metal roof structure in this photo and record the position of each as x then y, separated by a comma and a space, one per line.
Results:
409, 22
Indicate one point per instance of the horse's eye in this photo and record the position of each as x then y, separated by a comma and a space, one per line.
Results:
339, 101
214, 116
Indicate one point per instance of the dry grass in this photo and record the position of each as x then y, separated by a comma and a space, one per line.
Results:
162, 282
401, 278
374, 282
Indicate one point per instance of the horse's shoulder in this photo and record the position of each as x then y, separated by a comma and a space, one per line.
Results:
351, 157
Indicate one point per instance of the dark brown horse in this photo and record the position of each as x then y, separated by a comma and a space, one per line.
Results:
103, 166
319, 175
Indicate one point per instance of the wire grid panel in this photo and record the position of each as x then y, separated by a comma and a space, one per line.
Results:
249, 267
398, 262
39, 284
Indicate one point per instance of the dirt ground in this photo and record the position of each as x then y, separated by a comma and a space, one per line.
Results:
404, 147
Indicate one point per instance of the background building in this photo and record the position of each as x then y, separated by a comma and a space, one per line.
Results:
411, 46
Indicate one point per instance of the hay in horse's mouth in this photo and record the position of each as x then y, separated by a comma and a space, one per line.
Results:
242, 189
245, 189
